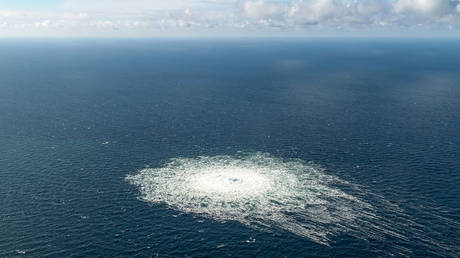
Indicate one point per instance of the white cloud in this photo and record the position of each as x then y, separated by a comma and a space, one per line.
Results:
43, 24
428, 7
372, 7
315, 11
109, 6
121, 5
262, 10
8, 14
155, 17
74, 16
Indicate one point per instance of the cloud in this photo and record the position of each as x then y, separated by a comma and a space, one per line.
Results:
261, 10
42, 24
121, 5
356, 13
110, 6
155, 17
371, 7
426, 7
315, 11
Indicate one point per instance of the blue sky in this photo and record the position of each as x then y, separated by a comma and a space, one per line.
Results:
151, 18
28, 4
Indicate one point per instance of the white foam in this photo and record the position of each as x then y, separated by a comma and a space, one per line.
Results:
257, 190
20, 251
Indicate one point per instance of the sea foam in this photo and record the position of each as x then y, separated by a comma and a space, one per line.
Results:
259, 191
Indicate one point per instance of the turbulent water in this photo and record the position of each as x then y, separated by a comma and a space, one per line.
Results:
256, 190
265, 192
241, 147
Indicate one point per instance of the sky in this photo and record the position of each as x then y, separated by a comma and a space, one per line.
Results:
156, 18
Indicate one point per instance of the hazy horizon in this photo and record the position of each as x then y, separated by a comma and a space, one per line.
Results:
143, 18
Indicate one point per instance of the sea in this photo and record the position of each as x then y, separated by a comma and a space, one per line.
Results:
242, 147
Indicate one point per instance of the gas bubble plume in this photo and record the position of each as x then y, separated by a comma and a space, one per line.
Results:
257, 190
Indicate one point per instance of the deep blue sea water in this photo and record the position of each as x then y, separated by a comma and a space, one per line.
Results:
78, 116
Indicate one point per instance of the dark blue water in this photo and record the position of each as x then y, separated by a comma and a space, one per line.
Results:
77, 116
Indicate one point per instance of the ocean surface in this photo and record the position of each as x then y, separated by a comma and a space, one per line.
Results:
230, 147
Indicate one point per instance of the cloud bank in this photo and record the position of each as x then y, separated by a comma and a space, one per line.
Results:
220, 17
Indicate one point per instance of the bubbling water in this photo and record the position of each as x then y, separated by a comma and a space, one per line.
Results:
257, 190
230, 182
